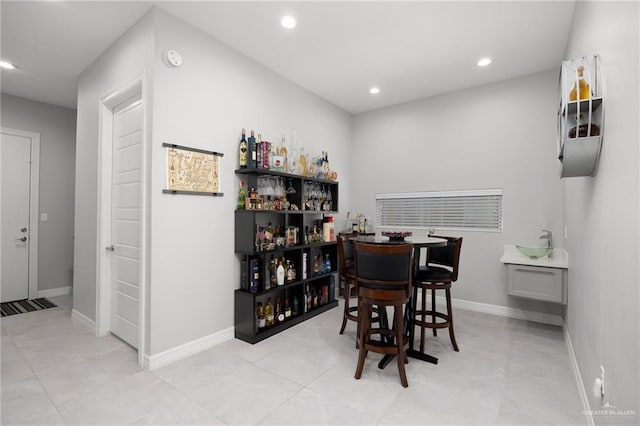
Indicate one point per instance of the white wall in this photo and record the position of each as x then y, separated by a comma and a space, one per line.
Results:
128, 58
602, 214
500, 135
56, 126
204, 104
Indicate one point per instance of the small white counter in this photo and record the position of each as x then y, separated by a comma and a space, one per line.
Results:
559, 258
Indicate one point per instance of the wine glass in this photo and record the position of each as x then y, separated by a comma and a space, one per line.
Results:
291, 189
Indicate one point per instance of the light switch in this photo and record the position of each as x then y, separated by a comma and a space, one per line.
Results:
44, 217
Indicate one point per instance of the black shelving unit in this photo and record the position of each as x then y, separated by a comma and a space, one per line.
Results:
247, 223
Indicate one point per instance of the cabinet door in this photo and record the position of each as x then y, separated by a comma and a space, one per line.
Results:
547, 284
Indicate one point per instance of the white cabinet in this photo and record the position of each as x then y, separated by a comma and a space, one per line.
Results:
537, 282
580, 116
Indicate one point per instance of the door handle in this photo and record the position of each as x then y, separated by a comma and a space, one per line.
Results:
110, 248
23, 239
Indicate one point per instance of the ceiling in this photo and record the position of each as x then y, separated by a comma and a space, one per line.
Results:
339, 50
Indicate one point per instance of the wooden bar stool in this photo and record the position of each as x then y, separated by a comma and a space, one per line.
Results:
440, 271
347, 278
383, 274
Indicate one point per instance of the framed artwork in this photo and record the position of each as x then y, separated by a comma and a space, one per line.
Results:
192, 171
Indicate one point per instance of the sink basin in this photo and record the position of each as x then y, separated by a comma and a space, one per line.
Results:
534, 252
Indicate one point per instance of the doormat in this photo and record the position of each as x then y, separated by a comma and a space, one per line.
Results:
22, 306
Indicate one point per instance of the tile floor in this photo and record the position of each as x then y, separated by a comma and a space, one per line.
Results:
507, 372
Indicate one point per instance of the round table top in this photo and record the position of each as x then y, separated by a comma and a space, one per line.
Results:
416, 240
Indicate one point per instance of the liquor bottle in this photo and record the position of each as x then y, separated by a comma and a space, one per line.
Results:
302, 163
259, 152
283, 153
583, 129
267, 275
242, 196
252, 154
289, 272
243, 151
327, 264
295, 306
280, 273
260, 316
279, 312
315, 298
287, 309
268, 313
305, 299
266, 154
580, 89
273, 271
304, 265
309, 297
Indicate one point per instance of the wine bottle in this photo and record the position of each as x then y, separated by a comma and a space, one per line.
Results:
243, 151
580, 89
273, 272
267, 275
287, 309
279, 312
295, 306
583, 129
260, 315
242, 196
259, 152
268, 313
252, 147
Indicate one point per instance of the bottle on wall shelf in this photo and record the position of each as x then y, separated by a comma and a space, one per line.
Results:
242, 196
261, 320
580, 90
268, 313
279, 312
252, 150
283, 154
280, 273
287, 309
583, 129
273, 272
243, 151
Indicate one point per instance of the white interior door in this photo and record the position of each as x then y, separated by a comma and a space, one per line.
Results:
15, 162
125, 220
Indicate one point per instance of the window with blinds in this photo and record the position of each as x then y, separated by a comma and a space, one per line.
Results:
476, 210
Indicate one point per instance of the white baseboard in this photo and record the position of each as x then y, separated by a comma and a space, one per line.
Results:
503, 311
190, 348
53, 292
89, 324
586, 409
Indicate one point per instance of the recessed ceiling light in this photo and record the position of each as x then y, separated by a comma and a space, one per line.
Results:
484, 62
374, 90
7, 65
288, 22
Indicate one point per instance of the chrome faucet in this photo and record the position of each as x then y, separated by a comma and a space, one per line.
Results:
547, 236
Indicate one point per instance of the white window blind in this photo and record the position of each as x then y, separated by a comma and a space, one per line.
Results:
479, 210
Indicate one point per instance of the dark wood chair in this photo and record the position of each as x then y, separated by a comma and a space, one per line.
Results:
440, 271
347, 278
383, 274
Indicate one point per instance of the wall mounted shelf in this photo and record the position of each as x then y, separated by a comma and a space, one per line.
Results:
580, 116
